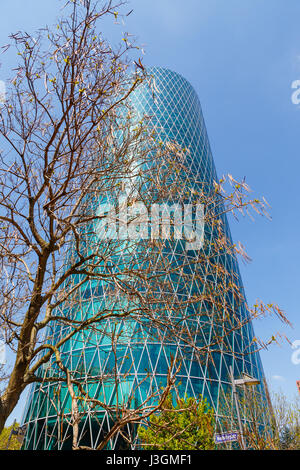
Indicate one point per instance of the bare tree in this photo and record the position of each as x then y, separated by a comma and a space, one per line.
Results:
286, 422
71, 143
60, 116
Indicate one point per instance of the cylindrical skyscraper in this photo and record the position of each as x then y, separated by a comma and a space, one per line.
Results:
144, 357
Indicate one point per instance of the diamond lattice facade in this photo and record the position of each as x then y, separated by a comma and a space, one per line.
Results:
144, 356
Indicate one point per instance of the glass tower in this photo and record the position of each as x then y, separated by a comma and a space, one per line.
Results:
143, 356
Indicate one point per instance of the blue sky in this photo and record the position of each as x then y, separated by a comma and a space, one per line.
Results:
241, 56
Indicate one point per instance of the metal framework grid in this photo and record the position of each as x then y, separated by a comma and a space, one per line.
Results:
176, 112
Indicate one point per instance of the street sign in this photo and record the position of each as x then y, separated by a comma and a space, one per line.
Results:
226, 437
